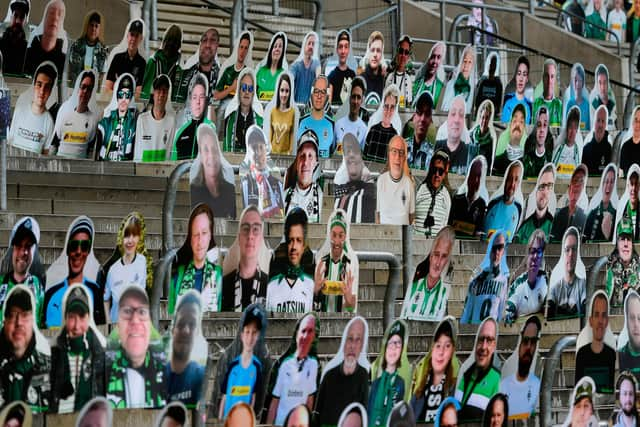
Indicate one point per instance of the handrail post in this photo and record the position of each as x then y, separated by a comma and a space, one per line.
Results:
159, 278
400, 16
168, 204
407, 256
275, 7
318, 21
3, 172
523, 33
443, 21
236, 20
592, 280
634, 56
531, 7
550, 366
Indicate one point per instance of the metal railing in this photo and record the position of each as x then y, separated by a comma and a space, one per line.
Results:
550, 366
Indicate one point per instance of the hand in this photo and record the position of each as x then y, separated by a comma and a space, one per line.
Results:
347, 291
319, 278
606, 226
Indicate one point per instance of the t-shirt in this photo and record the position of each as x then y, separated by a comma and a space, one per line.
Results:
336, 79
75, 132
437, 207
290, 298
422, 303
562, 221
36, 55
266, 83
240, 383
29, 131
280, 134
323, 129
467, 218
187, 386
502, 216
395, 200
122, 63
154, 138
338, 390
310, 200
344, 126
229, 74
510, 102
525, 300
554, 107
597, 155
566, 160
617, 22
377, 142
568, 300
303, 79
523, 396
599, 366
458, 159
629, 154
486, 297
296, 381
629, 360
121, 275
404, 82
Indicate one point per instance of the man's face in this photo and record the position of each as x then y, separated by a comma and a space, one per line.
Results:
403, 53
582, 411
84, 92
571, 253
375, 54
160, 96
528, 345
310, 46
486, 344
306, 162
21, 256
18, 328
355, 100
467, 65
522, 78
208, 47
549, 79
42, 90
295, 244
77, 253
249, 336
184, 330
625, 248
599, 319
544, 190
338, 235
603, 85
388, 109
484, 119
636, 123
133, 41
209, 157
438, 172
455, 120
198, 101
93, 31
319, 95
95, 418
534, 259
578, 83
422, 119
512, 182
497, 250
397, 157
633, 190
575, 187
633, 323
449, 416
76, 324
601, 123
250, 237
354, 165
53, 18
473, 181
134, 326
243, 49
438, 258
124, 99
343, 51
435, 60
246, 88
608, 184
542, 128
354, 343
305, 335
517, 126
627, 397
17, 17
200, 237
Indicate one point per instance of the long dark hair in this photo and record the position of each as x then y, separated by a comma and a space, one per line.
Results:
284, 44
185, 254
283, 77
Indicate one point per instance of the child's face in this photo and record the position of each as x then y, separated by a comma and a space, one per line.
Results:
617, 4
249, 336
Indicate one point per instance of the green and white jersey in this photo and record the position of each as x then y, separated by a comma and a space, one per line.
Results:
422, 303
154, 138
294, 297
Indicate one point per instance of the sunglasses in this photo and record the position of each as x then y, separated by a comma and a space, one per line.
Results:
498, 247
124, 94
246, 88
527, 340
438, 171
402, 51
83, 245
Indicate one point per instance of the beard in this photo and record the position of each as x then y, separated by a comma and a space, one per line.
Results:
524, 367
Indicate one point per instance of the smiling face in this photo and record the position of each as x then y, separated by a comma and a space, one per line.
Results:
319, 94
601, 123
259, 156
338, 236
582, 411
200, 238
455, 120
608, 185
76, 324
485, 344
467, 64
355, 100
134, 331
295, 244
353, 344
438, 258
208, 47
633, 322
497, 250
599, 319
603, 86
485, 118
570, 249
522, 78
124, 96
18, 329
209, 157
393, 350
578, 83
435, 60
21, 256
397, 157
375, 54
246, 89
441, 354
306, 162
497, 413
243, 50
388, 110
78, 256
284, 92
197, 101
130, 243
625, 248
305, 336
627, 396
404, 53
438, 173
343, 51
276, 52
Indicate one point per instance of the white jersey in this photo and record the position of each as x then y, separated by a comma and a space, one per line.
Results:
395, 200
296, 298
309, 200
120, 276
345, 126
75, 131
526, 300
154, 137
29, 131
295, 383
523, 396
617, 22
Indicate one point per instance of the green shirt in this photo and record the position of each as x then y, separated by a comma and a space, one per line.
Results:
226, 79
33, 283
595, 32
266, 83
435, 88
555, 110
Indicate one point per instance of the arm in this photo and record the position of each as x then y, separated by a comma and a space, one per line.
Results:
273, 409
221, 409
107, 311
221, 92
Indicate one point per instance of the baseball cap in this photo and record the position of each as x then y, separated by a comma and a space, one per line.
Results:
405, 38
137, 292
83, 225
77, 301
136, 27
26, 227
625, 226
22, 4
19, 298
253, 314
309, 136
161, 81
585, 389
344, 35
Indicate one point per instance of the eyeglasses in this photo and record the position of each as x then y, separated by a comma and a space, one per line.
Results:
497, 247
318, 92
530, 340
124, 94
255, 229
397, 152
402, 51
14, 315
394, 343
86, 87
126, 312
543, 187
537, 252
83, 245
437, 170
389, 107
246, 88
487, 339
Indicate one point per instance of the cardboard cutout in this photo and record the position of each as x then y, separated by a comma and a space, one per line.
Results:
303, 75
627, 391
52, 16
519, 381
246, 265
395, 188
497, 412
528, 288
229, 73
116, 129
354, 187
436, 374
354, 415
237, 122
241, 414
265, 78
430, 77
596, 153
568, 294
518, 91
488, 287
77, 355
577, 95
14, 33
302, 183
628, 345
96, 413
401, 414
161, 63
300, 416
211, 178
345, 378
433, 202
479, 376
483, 133
510, 146
236, 384
568, 152
373, 76
583, 395
602, 93
295, 376
630, 143
426, 298
602, 208
18, 413
470, 201
549, 86
176, 415
463, 80
135, 356
186, 371
505, 208
489, 85
572, 206
378, 135
281, 116
339, 80
447, 414
5, 101
625, 207
623, 265
260, 179
337, 269
184, 268
77, 256
453, 137
538, 148
119, 52
541, 206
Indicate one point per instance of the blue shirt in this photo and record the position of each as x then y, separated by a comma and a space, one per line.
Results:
239, 383
502, 216
303, 79
187, 386
53, 301
199, 274
510, 103
323, 128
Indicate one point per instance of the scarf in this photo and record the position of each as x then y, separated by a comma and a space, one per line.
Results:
77, 347
387, 394
461, 86
152, 371
210, 281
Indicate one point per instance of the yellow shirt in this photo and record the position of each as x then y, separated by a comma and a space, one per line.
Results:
281, 131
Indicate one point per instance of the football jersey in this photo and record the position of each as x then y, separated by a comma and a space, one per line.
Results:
75, 131
296, 298
525, 299
523, 396
296, 381
486, 297
154, 138
239, 383
422, 303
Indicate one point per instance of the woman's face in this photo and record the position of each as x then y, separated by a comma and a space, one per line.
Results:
522, 78
393, 350
578, 83
375, 54
467, 64
130, 243
284, 92
497, 413
441, 354
276, 52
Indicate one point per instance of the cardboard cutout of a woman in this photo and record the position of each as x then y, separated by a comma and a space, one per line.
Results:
268, 70
281, 117
602, 208
463, 80
578, 95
